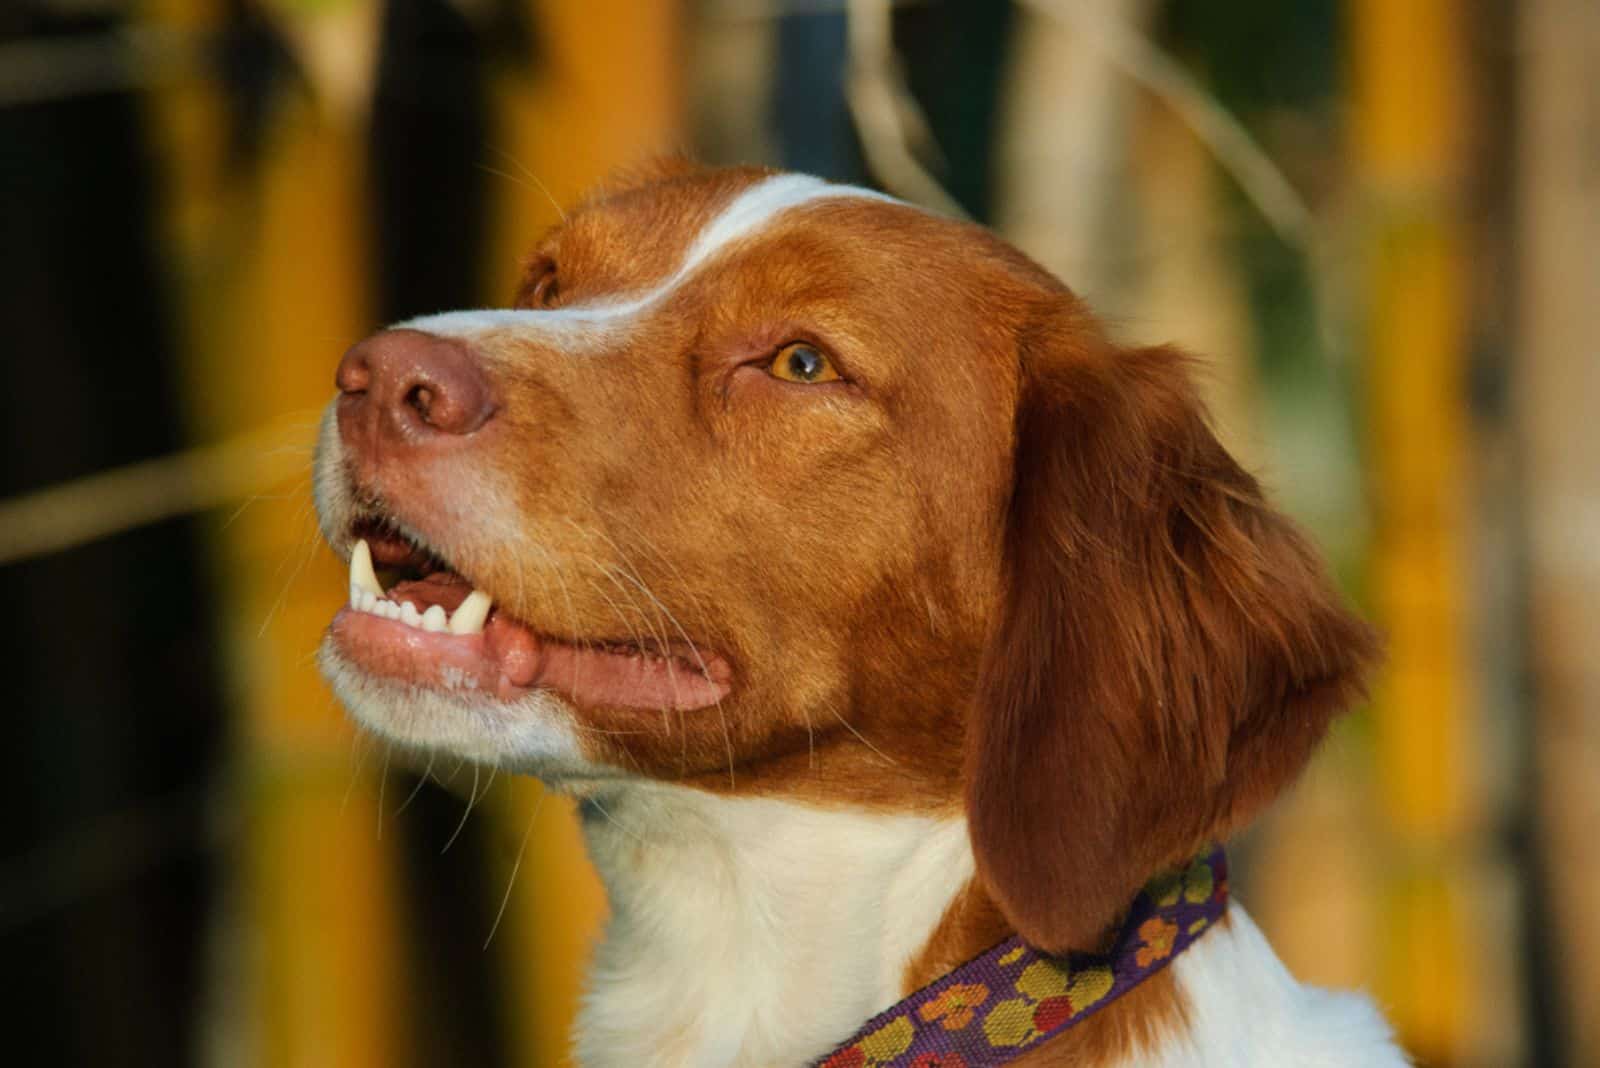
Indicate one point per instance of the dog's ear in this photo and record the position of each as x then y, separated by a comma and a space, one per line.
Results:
1168, 649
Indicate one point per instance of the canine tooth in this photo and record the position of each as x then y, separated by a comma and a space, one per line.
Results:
409, 615
468, 619
361, 574
434, 619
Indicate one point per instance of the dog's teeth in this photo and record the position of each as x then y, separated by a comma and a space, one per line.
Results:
409, 615
369, 602
435, 620
468, 619
362, 577
388, 610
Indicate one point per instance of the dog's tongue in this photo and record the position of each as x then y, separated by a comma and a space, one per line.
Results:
507, 660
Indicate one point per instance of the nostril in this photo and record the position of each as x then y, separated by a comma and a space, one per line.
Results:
420, 400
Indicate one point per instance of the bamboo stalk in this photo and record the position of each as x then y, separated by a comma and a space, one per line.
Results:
1406, 128
1557, 387
271, 289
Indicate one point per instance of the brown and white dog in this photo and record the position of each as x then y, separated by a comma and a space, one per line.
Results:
873, 603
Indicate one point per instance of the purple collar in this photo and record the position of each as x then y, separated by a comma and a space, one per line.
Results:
998, 1006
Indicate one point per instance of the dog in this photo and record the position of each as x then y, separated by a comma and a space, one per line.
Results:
875, 607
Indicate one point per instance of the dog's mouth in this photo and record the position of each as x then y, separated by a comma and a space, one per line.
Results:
413, 617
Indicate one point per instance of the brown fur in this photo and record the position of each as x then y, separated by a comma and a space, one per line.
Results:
1168, 653
770, 519
1004, 564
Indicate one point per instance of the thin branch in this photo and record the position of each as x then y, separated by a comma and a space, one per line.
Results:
885, 112
97, 506
1238, 153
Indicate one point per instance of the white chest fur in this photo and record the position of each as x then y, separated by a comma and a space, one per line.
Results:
756, 932
748, 931
1244, 1010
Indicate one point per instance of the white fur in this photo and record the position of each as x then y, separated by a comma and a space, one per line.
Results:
753, 931
532, 735
588, 326
1246, 1011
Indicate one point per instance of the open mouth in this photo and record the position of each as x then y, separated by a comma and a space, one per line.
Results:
432, 627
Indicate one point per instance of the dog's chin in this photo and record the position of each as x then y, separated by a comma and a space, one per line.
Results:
531, 734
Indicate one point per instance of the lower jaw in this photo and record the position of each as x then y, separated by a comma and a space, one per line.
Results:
507, 661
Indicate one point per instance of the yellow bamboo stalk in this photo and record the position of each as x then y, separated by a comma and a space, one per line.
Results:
322, 874
608, 92
272, 286
1406, 139
1557, 384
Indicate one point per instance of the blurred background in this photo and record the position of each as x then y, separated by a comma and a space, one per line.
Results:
1378, 219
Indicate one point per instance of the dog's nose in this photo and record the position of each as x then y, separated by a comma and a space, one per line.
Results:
412, 386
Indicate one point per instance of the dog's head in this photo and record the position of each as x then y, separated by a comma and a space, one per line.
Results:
774, 486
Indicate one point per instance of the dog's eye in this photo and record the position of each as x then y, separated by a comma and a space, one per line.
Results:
800, 362
539, 288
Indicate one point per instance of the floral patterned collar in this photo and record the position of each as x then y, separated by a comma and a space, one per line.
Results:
998, 1006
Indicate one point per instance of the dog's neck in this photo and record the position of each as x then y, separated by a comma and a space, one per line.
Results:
754, 930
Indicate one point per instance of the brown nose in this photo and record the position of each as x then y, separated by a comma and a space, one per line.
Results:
409, 387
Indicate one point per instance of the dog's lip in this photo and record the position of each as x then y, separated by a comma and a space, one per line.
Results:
507, 661
503, 658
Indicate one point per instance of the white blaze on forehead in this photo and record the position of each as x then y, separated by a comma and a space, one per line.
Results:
745, 216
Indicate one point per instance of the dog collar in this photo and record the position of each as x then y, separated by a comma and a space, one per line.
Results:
997, 1006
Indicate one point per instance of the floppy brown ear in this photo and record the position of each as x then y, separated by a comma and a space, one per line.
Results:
1169, 649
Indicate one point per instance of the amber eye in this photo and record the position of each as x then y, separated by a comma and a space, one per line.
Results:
800, 362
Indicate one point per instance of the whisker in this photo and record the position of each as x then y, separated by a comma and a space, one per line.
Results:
447, 783
471, 801
303, 553
629, 831
863, 738
358, 760
615, 608
299, 487
607, 571
705, 670
516, 867
658, 632
727, 741
572, 614
677, 574
534, 178
383, 786
649, 546
417, 789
